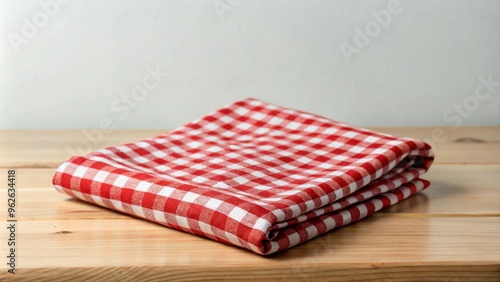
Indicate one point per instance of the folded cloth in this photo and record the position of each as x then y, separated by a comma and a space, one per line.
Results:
253, 175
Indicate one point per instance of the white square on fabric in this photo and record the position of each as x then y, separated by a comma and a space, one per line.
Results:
320, 152
257, 174
262, 130
258, 116
293, 125
305, 186
213, 204
267, 147
117, 204
221, 185
232, 238
226, 119
214, 149
166, 191
312, 231
159, 154
288, 166
300, 147
371, 139
237, 214
267, 158
233, 155
282, 142
280, 183
97, 200
356, 149
162, 167
80, 171
198, 156
304, 160
378, 151
315, 140
335, 144
325, 165
200, 179
262, 224
242, 111
240, 180
362, 211
251, 162
294, 239
311, 128
143, 186
394, 142
182, 221
235, 166
101, 176
276, 121
159, 216
346, 216
330, 130
176, 149
280, 215
273, 170
285, 153
198, 166
141, 160
350, 134
228, 133
311, 171
244, 126
205, 228
124, 149
120, 181
211, 126
138, 210
234, 147
340, 158
142, 144
194, 144
190, 197
295, 210
180, 161
262, 187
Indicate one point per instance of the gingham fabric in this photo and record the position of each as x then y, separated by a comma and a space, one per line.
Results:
253, 175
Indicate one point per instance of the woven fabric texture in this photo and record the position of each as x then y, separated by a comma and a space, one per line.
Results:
253, 175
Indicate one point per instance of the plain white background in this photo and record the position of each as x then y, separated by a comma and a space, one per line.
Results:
73, 64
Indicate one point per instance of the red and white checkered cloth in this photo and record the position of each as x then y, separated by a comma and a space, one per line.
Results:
253, 175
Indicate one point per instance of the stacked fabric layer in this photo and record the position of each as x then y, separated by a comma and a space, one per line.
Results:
253, 175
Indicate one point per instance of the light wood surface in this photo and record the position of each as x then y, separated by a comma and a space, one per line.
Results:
450, 232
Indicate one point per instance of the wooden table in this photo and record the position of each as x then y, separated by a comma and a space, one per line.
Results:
450, 232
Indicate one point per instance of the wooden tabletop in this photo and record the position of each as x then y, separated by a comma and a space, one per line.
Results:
450, 232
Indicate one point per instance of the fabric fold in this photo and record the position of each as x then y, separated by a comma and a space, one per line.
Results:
253, 175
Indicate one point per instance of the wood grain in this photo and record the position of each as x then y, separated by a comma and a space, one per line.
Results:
380, 247
450, 232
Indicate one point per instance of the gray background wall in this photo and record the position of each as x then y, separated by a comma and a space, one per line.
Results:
158, 64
